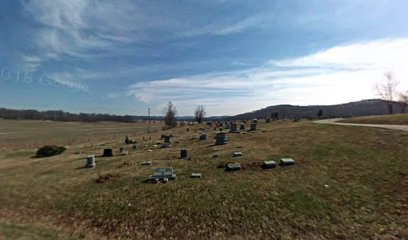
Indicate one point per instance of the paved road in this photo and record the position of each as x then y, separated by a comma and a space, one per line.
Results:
335, 122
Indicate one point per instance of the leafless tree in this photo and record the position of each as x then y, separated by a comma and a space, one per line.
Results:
388, 90
403, 99
170, 114
199, 114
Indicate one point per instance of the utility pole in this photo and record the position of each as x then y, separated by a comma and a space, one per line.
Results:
148, 121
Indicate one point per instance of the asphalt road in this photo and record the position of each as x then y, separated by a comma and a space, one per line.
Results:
386, 126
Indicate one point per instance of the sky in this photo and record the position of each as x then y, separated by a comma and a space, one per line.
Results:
232, 56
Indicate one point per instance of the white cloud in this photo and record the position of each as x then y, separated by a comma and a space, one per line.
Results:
335, 75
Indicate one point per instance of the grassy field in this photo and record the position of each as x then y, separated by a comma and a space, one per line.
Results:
348, 183
32, 134
398, 119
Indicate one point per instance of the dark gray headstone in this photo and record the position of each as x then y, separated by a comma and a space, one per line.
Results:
183, 154
167, 139
233, 167
268, 164
107, 152
203, 136
163, 172
234, 128
220, 138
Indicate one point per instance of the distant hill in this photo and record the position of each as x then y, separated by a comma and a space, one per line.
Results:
360, 108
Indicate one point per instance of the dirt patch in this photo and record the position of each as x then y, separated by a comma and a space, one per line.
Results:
251, 165
106, 178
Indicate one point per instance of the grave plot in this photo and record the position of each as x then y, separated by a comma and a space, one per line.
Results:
234, 128
147, 163
286, 162
90, 161
203, 136
221, 138
237, 154
196, 175
162, 174
268, 164
231, 167
129, 141
107, 152
123, 152
183, 154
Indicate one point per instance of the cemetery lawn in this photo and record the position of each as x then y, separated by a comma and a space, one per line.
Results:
397, 119
347, 183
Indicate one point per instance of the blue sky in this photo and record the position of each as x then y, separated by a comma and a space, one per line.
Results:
231, 56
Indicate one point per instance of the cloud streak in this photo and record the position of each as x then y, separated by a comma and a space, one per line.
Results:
335, 75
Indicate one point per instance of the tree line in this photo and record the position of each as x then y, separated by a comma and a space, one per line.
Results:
58, 115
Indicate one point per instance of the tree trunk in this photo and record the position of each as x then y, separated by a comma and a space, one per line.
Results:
390, 107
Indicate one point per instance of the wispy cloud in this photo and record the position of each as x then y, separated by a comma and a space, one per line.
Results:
334, 75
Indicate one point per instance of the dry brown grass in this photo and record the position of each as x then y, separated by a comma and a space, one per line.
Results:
397, 119
346, 184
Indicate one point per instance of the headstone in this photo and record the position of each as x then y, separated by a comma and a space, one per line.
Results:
233, 167
90, 161
196, 175
234, 128
237, 154
220, 138
147, 163
203, 136
183, 154
252, 127
287, 162
129, 141
123, 152
268, 164
163, 172
107, 152
167, 139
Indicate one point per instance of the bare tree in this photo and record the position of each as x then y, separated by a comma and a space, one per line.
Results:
170, 114
403, 99
199, 114
387, 90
